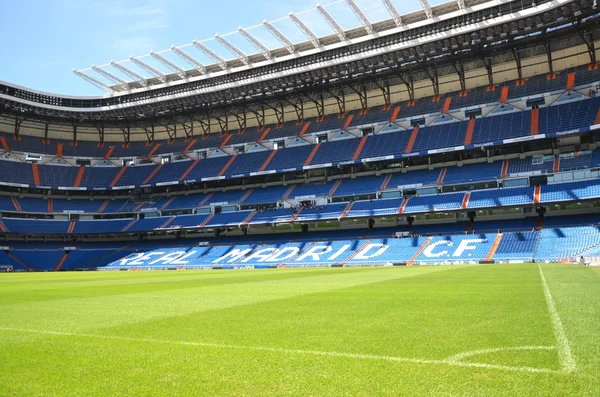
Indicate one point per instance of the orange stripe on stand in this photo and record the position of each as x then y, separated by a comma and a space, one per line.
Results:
79, 176
494, 247
304, 129
264, 135
504, 171
536, 194
118, 176
156, 169
36, 174
535, 120
62, 260
227, 138
440, 179
416, 255
395, 114
3, 228
465, 202
103, 206
504, 94
413, 138
190, 168
16, 204
109, 153
71, 227
597, 121
557, 164
446, 106
267, 161
348, 121
570, 81
154, 149
359, 149
59, 150
470, 129
231, 160
4, 144
50, 206
312, 154
189, 146
403, 206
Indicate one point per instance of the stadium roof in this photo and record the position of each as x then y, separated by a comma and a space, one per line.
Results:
340, 23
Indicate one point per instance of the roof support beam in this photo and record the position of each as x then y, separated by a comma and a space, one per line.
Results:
149, 69
210, 54
129, 73
393, 12
116, 80
93, 81
190, 60
461, 4
279, 36
233, 49
332, 22
257, 44
174, 68
427, 8
307, 32
361, 16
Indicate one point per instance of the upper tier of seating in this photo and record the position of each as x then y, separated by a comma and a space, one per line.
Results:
506, 91
566, 116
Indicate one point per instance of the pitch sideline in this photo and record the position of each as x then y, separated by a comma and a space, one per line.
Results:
565, 355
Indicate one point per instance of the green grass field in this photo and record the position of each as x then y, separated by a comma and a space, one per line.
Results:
514, 330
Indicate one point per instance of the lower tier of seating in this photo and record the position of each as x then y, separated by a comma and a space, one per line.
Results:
556, 244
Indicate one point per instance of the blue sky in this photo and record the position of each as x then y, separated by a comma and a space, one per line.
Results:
45, 39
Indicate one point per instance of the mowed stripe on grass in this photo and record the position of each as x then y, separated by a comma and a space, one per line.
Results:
336, 332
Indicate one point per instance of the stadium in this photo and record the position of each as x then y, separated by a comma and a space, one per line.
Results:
407, 207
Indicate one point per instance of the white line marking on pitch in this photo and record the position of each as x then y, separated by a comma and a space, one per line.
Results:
565, 356
297, 351
462, 356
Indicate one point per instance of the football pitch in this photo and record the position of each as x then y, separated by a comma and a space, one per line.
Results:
476, 330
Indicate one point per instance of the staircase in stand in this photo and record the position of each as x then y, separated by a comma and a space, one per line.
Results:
334, 188
356, 252
411, 142
154, 172
16, 204
249, 217
118, 176
416, 255
465, 202
103, 206
359, 149
497, 240
71, 227
190, 168
231, 160
347, 209
287, 193
62, 261
167, 223
312, 154
536, 194
129, 225
403, 206
208, 219
79, 176
168, 203
385, 182
246, 195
